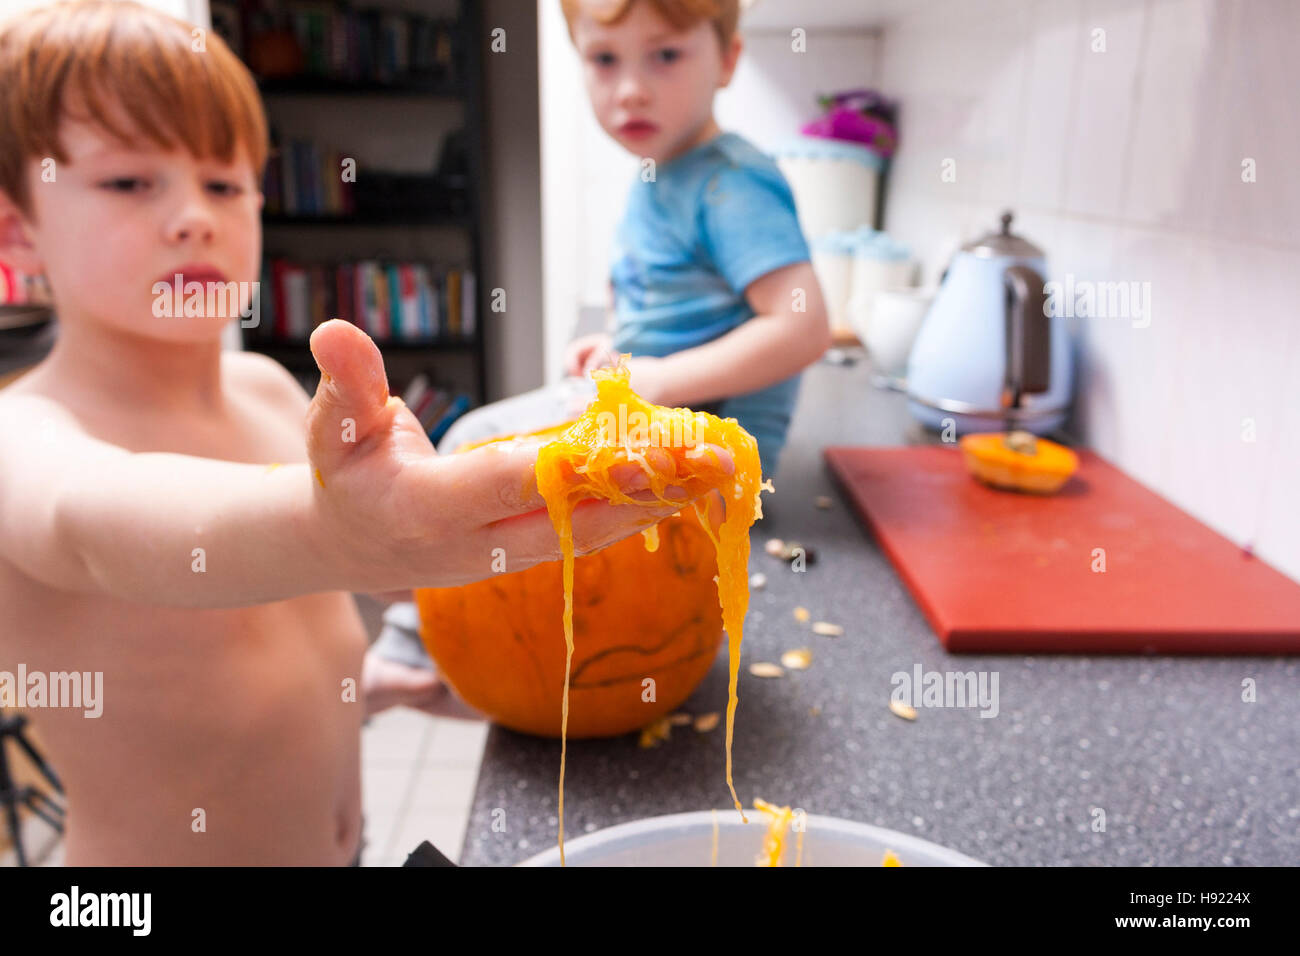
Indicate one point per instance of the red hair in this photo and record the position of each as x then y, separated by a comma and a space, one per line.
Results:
92, 54
682, 14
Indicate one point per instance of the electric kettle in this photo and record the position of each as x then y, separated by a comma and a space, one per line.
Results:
988, 357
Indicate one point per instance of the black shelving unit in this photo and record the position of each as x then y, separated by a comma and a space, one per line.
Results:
465, 214
326, 86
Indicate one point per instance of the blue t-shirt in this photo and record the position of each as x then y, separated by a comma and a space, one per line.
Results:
713, 220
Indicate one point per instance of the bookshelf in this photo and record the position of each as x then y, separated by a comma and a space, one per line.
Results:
394, 86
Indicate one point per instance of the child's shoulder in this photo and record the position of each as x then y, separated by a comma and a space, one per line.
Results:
741, 153
260, 376
730, 165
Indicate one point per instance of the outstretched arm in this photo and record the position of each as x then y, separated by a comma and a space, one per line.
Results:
375, 509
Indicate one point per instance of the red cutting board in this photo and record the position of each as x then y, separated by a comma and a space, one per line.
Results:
997, 571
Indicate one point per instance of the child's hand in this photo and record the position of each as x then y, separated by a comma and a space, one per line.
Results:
386, 683
589, 352
390, 513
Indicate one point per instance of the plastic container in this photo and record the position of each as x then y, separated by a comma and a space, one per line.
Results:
686, 839
554, 404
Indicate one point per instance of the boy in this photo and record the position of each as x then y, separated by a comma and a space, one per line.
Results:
714, 293
165, 517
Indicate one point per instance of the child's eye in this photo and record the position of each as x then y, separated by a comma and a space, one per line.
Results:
668, 55
222, 188
604, 59
125, 184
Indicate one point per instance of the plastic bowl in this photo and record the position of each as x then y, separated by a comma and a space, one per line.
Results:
686, 839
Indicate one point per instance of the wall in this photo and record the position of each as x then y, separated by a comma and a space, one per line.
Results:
513, 239
1126, 164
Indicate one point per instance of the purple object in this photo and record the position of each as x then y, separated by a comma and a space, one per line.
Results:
857, 116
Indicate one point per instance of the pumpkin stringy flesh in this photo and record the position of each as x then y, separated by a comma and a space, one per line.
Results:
669, 445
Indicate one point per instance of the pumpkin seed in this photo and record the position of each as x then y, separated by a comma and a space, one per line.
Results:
706, 722
827, 629
901, 709
775, 547
801, 615
758, 580
766, 669
823, 502
654, 733
798, 659
679, 719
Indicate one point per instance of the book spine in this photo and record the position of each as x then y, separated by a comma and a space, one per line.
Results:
372, 306
469, 305
394, 290
380, 284
409, 303
288, 169
279, 298
343, 292
459, 406
453, 303
299, 307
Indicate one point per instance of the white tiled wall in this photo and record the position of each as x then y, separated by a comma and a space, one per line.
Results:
1125, 163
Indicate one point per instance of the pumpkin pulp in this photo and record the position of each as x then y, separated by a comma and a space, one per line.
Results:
669, 445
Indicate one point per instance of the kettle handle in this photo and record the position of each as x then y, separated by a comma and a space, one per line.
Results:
1028, 336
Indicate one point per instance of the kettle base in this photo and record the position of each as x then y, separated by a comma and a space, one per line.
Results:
1038, 421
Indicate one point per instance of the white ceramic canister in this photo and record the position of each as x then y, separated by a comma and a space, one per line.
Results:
835, 183
879, 263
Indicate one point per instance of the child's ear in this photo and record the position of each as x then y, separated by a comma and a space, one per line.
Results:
730, 56
16, 249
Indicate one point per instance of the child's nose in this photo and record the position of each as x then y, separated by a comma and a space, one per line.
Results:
631, 89
191, 220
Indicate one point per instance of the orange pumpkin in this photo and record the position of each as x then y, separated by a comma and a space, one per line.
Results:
1018, 461
500, 642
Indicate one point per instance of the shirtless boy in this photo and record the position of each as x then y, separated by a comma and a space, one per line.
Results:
181, 518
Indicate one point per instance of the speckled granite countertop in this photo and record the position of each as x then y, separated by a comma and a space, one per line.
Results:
1185, 772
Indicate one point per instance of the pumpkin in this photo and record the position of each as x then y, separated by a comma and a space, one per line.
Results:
500, 642
1019, 461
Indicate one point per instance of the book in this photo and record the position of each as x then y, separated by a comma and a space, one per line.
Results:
392, 276
407, 304
469, 305
344, 297
380, 282
453, 302
459, 406
298, 306
415, 389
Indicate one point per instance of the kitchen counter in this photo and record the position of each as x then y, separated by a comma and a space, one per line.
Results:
1184, 770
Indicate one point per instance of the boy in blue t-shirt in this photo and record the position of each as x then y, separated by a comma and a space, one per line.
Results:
714, 294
